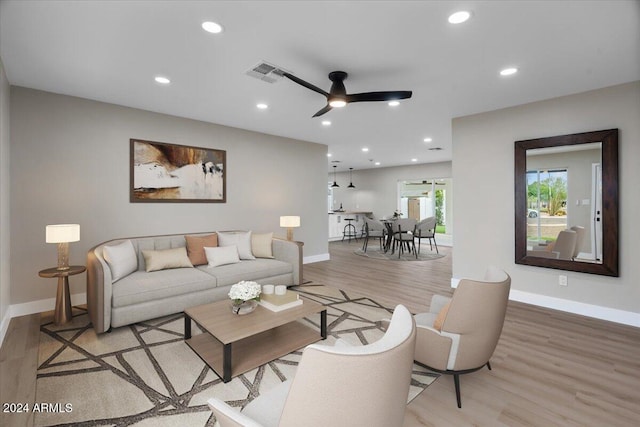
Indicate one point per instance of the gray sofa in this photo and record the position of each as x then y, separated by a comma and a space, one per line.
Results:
143, 295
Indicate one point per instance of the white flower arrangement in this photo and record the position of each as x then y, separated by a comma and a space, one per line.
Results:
245, 291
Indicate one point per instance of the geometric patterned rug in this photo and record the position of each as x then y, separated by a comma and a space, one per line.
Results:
145, 375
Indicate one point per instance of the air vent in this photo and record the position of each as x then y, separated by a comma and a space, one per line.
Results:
266, 72
435, 149
336, 161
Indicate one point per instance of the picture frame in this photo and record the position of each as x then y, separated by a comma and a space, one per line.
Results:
161, 172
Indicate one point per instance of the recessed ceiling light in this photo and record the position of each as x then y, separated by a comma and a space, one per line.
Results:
377, 163
427, 140
459, 17
508, 71
329, 154
162, 80
212, 27
262, 106
394, 103
326, 123
365, 149
414, 160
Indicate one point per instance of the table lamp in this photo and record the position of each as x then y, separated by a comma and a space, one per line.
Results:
62, 234
290, 222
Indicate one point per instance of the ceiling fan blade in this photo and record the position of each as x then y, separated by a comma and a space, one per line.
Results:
326, 109
379, 96
305, 84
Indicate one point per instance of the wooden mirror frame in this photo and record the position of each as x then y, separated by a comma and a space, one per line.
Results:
609, 140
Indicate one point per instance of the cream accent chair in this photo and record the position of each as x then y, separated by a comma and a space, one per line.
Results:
580, 233
461, 337
564, 247
340, 385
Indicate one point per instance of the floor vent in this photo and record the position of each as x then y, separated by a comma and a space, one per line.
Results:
266, 72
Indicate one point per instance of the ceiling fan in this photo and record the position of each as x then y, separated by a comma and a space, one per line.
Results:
338, 97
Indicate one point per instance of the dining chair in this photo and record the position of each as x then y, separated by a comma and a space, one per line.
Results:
426, 229
373, 229
403, 235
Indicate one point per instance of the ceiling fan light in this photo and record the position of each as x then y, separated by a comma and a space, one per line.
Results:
212, 27
337, 103
394, 103
459, 17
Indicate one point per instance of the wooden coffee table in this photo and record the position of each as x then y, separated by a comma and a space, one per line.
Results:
232, 345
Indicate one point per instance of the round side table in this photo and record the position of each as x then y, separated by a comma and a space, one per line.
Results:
63, 298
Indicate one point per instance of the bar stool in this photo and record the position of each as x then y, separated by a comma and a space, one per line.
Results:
349, 230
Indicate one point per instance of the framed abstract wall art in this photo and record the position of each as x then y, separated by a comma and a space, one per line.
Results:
162, 172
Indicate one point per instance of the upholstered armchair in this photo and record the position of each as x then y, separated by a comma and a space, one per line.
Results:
340, 385
459, 334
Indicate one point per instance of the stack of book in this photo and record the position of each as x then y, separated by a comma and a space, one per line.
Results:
276, 303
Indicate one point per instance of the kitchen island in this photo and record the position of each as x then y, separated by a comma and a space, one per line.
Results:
337, 222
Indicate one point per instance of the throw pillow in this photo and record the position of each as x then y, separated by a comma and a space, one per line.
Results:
437, 324
121, 258
261, 245
167, 258
195, 247
241, 239
222, 255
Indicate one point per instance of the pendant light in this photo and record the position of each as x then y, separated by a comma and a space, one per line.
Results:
335, 184
350, 180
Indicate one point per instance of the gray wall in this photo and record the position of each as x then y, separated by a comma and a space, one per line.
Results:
377, 189
5, 278
483, 151
70, 164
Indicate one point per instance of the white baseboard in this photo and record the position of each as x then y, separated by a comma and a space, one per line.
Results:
4, 325
597, 312
315, 258
32, 307
43, 305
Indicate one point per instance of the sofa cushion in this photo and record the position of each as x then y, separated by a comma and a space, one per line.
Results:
261, 245
167, 258
140, 286
222, 255
241, 239
122, 259
195, 247
248, 270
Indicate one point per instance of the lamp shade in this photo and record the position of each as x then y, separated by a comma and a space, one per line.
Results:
63, 233
289, 221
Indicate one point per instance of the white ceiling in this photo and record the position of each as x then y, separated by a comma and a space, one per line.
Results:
111, 50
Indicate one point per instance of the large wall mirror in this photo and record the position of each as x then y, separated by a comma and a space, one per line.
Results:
566, 195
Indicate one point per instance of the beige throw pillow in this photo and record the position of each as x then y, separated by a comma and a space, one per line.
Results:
196, 245
168, 258
261, 245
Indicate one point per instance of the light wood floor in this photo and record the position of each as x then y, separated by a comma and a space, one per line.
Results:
550, 368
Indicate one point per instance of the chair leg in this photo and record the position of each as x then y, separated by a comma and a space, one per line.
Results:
456, 380
435, 243
489, 365
365, 242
